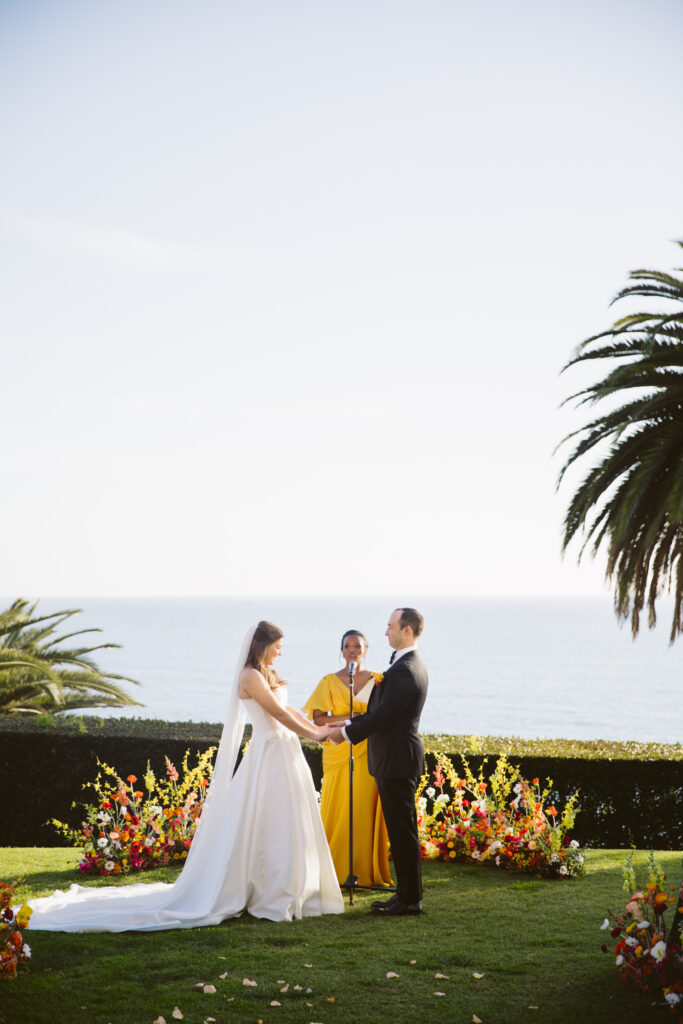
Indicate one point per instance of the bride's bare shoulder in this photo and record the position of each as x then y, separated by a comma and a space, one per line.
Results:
250, 680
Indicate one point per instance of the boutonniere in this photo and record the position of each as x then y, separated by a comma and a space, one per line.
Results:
378, 677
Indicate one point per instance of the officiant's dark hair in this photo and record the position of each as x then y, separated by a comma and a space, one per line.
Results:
266, 633
411, 617
353, 632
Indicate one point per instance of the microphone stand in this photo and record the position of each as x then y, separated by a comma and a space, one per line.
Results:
351, 883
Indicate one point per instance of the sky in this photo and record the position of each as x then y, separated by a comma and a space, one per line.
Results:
287, 288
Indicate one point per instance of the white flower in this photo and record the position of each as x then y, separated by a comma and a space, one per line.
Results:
149, 841
580, 859
422, 805
498, 861
563, 869
517, 788
671, 997
114, 835
554, 859
604, 925
431, 792
27, 949
442, 799
630, 941
103, 816
574, 844
642, 925
619, 961
658, 951
102, 842
109, 865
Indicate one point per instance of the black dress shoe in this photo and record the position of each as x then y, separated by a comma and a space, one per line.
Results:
385, 903
397, 909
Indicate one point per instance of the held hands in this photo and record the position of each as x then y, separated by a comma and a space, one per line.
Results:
335, 735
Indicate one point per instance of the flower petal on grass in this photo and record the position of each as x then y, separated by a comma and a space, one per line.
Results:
177, 1013
437, 975
280, 981
330, 999
223, 976
298, 988
393, 974
413, 961
477, 975
209, 990
285, 988
160, 1020
308, 965
475, 1019
247, 983
274, 1002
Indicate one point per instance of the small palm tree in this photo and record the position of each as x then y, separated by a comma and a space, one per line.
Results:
631, 500
39, 677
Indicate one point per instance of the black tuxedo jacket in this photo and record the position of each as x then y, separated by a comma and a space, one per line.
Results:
391, 722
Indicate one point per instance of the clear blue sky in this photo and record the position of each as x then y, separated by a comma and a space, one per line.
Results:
287, 286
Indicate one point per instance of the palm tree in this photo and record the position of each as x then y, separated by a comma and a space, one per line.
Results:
631, 501
39, 677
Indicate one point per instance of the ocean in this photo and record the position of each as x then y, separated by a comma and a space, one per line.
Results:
530, 667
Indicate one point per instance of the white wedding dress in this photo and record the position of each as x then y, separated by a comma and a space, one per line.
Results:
260, 847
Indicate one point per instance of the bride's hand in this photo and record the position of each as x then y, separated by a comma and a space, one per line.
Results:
323, 732
334, 734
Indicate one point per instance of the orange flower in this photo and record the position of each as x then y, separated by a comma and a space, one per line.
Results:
482, 787
132, 779
138, 794
16, 938
551, 810
534, 782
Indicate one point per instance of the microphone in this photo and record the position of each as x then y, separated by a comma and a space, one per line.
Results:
352, 668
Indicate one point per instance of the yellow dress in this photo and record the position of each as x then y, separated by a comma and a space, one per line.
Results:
370, 839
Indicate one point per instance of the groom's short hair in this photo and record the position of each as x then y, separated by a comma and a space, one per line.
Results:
411, 617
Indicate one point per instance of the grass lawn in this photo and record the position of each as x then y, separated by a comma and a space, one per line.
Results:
536, 943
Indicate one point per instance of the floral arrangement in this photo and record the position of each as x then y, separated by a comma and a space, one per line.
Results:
377, 678
128, 830
648, 946
13, 950
504, 821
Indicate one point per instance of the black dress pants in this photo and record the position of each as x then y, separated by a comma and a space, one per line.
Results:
398, 803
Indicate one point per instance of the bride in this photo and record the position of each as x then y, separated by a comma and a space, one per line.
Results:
259, 846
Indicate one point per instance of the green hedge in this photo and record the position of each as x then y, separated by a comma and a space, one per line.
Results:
624, 800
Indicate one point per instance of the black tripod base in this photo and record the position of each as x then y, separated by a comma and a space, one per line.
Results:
351, 885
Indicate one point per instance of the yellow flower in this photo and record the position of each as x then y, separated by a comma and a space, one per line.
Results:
639, 951
23, 915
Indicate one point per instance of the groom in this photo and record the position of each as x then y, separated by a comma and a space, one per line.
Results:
396, 755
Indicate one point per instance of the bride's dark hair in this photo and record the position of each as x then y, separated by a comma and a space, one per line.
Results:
266, 633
